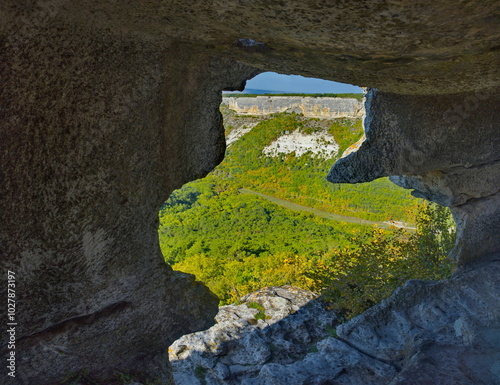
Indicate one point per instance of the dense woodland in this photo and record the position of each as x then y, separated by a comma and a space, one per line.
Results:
237, 242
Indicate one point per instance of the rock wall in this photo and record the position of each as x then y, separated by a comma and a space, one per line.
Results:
89, 153
443, 333
323, 108
107, 107
425, 145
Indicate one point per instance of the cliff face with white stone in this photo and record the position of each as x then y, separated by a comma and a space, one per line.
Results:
311, 107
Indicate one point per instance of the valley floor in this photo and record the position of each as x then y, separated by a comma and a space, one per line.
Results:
323, 214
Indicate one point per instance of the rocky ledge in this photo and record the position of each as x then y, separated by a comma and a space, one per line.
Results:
445, 332
275, 325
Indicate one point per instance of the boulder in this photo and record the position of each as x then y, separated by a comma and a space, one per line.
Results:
444, 333
271, 325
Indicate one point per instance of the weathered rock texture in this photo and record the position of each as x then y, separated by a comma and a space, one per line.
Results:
325, 108
446, 148
106, 107
285, 328
420, 48
95, 135
444, 333
318, 144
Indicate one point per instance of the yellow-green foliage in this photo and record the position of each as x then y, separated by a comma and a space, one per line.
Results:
346, 132
262, 310
368, 266
362, 274
237, 243
302, 179
233, 278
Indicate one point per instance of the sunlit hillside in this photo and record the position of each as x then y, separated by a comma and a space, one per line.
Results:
267, 216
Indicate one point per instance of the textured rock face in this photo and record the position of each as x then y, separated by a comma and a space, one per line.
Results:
106, 107
89, 152
446, 148
419, 48
325, 108
444, 333
319, 144
436, 332
287, 326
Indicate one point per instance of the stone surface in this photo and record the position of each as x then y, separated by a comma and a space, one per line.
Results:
89, 152
446, 148
319, 144
245, 339
420, 135
399, 46
334, 363
444, 333
321, 108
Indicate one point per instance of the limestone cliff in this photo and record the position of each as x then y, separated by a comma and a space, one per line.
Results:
311, 107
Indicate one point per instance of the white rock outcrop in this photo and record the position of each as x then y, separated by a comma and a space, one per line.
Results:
320, 144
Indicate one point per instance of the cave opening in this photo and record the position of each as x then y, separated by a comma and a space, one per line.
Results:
266, 216
109, 106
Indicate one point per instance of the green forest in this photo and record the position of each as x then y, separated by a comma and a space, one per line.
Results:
240, 229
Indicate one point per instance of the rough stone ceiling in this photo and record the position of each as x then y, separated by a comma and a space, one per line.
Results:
401, 46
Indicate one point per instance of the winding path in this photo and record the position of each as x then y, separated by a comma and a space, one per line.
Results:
324, 214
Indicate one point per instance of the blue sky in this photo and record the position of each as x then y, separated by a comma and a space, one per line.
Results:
272, 81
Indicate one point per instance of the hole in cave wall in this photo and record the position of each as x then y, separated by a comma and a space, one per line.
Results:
266, 216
